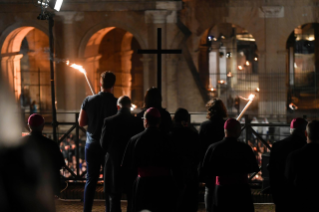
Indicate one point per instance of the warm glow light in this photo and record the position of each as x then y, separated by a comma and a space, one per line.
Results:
251, 96
292, 106
247, 63
229, 74
240, 67
222, 37
256, 58
133, 107
215, 39
311, 38
221, 82
78, 67
257, 89
212, 89
67, 62
295, 65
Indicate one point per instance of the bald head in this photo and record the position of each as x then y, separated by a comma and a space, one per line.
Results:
232, 128
124, 101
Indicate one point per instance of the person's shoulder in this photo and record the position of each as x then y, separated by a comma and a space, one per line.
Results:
216, 144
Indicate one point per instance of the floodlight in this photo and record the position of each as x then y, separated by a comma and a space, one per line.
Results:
55, 4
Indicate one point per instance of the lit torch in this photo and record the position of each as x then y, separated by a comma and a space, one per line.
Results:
81, 69
250, 98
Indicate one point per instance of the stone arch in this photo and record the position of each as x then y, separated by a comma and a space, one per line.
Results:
228, 61
18, 65
104, 51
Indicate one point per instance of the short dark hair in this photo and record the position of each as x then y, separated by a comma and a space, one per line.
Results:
153, 98
181, 114
108, 79
216, 107
312, 130
124, 101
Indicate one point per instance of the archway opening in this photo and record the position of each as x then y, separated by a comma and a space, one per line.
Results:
228, 64
115, 49
303, 67
25, 64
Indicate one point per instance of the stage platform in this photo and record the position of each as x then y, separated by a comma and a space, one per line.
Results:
75, 191
99, 206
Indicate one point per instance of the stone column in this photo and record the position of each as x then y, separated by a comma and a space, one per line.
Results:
91, 66
126, 76
147, 82
157, 19
11, 72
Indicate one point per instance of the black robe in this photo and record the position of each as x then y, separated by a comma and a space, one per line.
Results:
186, 148
280, 188
302, 171
150, 149
229, 158
116, 132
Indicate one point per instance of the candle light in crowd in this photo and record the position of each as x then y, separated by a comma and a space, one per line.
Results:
257, 90
240, 67
250, 98
247, 63
256, 58
229, 74
221, 82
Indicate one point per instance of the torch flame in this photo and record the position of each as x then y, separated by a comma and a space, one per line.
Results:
78, 67
251, 97
133, 107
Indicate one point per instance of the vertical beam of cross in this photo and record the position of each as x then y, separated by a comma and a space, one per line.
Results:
159, 51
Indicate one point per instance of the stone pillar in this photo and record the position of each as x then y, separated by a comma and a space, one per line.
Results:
172, 62
126, 76
11, 72
147, 82
157, 19
165, 17
91, 66
72, 89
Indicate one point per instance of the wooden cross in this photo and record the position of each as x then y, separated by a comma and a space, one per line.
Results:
159, 51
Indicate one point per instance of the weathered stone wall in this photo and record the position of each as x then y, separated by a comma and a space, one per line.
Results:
183, 26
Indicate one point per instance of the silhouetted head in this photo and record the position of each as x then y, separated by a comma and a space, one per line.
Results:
36, 122
124, 101
216, 107
312, 132
182, 117
298, 125
232, 128
151, 117
107, 80
153, 98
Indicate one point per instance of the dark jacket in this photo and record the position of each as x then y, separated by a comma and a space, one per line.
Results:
302, 173
116, 132
280, 188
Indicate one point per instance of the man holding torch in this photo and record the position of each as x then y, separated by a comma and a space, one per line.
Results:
93, 111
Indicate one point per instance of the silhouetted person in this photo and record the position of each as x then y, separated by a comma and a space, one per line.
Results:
226, 165
185, 141
237, 104
116, 132
280, 188
302, 171
93, 111
153, 98
33, 107
149, 158
31, 176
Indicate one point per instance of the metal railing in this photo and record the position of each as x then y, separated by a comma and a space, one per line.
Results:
78, 174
